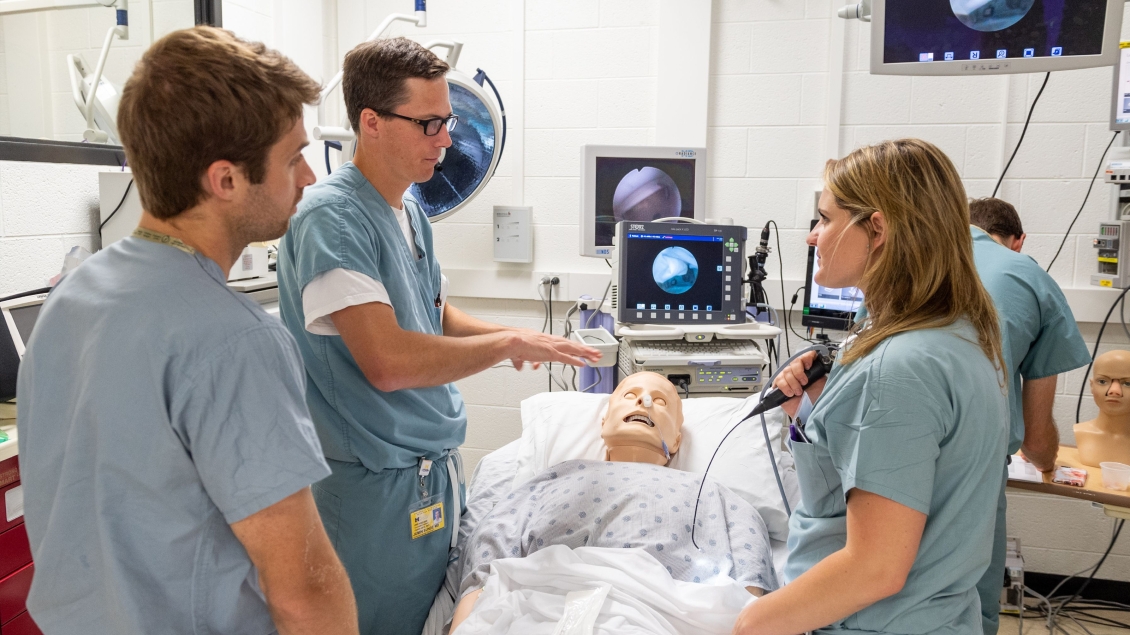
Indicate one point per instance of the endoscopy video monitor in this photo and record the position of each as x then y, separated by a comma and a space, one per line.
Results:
985, 37
640, 184
680, 273
824, 307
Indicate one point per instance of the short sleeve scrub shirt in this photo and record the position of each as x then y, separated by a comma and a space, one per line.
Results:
922, 420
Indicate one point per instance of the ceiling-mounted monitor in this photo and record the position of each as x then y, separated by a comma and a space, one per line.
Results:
988, 37
637, 183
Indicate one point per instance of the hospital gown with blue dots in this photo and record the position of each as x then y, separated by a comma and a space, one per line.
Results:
626, 505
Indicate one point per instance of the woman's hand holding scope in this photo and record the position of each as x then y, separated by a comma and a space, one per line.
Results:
792, 381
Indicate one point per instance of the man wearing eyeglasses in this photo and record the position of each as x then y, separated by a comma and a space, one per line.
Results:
361, 290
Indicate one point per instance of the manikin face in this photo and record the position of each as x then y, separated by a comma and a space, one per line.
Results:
411, 154
842, 248
629, 422
1110, 383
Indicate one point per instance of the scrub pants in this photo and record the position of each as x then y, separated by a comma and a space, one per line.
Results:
366, 514
989, 588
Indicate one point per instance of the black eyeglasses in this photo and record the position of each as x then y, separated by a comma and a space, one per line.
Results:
431, 126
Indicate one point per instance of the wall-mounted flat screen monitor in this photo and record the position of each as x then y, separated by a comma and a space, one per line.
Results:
637, 184
985, 37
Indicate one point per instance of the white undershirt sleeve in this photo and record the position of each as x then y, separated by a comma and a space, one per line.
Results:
334, 290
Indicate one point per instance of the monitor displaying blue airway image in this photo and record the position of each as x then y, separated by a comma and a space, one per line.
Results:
953, 30
675, 273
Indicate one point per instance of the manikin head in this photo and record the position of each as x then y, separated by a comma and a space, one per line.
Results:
645, 416
1110, 384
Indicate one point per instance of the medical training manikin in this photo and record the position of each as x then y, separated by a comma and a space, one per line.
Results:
630, 501
1107, 437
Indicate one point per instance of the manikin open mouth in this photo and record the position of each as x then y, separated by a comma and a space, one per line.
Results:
641, 419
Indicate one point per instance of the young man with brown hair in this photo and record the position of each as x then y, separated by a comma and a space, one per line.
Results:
998, 218
1040, 340
361, 291
166, 444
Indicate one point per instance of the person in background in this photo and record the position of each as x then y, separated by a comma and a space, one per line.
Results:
166, 447
896, 449
361, 290
998, 219
1041, 340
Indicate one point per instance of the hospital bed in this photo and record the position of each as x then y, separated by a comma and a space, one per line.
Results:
561, 426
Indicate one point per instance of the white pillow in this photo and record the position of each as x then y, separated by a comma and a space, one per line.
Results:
560, 426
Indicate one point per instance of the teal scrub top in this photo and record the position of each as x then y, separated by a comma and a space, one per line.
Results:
157, 408
1039, 332
343, 222
920, 420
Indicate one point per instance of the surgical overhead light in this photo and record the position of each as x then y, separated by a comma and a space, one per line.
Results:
476, 143
96, 97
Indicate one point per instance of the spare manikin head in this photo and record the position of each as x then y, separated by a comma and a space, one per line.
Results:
1110, 383
1107, 437
644, 422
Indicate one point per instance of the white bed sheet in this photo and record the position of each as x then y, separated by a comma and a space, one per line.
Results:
528, 596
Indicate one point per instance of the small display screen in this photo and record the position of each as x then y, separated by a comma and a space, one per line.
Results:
846, 300
674, 273
25, 317
962, 30
1122, 90
641, 190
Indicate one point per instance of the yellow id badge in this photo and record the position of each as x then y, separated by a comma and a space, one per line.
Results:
427, 516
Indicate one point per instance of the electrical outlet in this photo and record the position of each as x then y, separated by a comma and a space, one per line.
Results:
544, 287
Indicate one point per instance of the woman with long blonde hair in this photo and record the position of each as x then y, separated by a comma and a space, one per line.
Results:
898, 450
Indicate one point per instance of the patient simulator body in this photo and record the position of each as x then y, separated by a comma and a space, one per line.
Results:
630, 501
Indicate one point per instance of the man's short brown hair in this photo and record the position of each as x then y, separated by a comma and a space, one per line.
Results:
996, 217
199, 96
374, 72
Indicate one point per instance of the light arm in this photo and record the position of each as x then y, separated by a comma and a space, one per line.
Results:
882, 542
307, 589
1041, 436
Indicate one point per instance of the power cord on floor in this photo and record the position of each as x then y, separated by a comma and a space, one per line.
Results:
1072, 607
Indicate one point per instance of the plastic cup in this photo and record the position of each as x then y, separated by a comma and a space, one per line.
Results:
1116, 476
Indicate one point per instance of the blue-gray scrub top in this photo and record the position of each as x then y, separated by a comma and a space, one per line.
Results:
920, 420
156, 407
343, 222
1040, 335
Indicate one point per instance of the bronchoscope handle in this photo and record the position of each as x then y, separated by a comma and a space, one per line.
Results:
820, 367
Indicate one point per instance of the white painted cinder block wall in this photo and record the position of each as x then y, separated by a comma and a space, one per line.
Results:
584, 71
